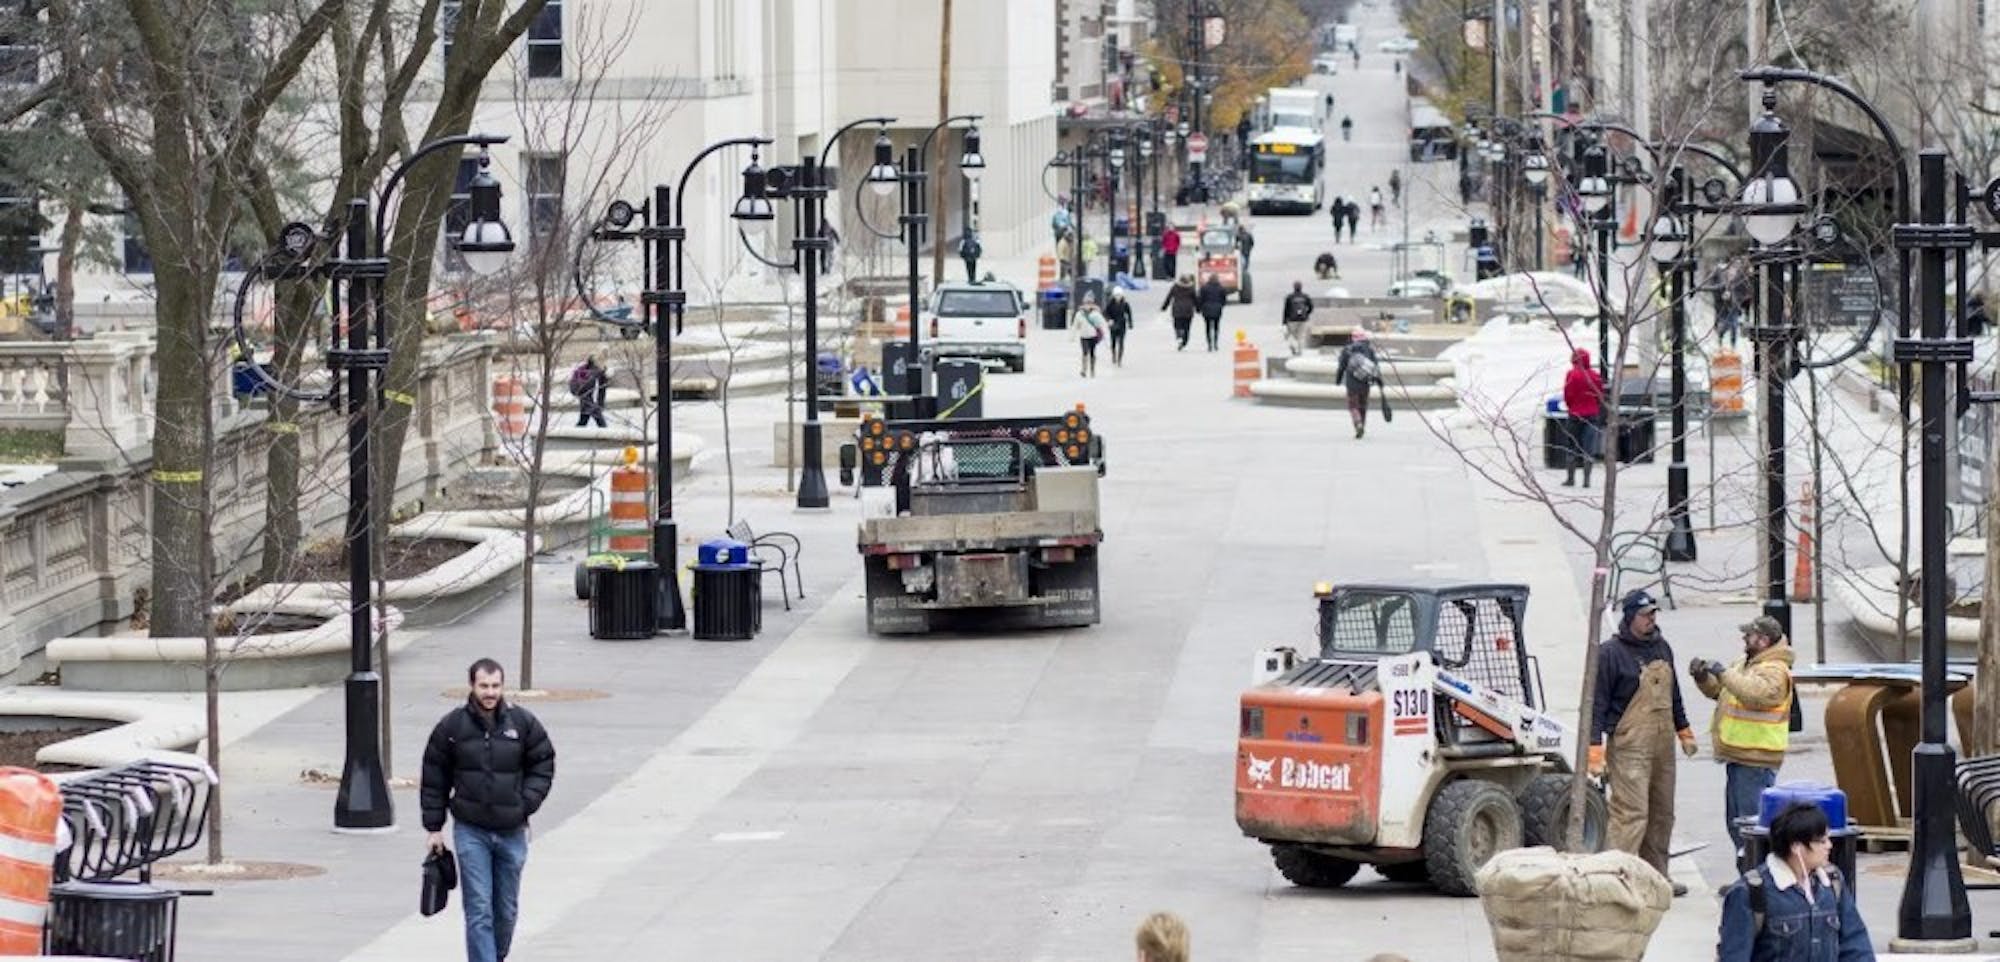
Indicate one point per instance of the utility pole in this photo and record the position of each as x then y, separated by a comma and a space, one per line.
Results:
937, 171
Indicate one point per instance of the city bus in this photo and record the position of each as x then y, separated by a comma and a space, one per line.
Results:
1285, 171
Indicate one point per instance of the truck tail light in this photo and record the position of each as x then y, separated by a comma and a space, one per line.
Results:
1059, 553
1021, 328
1253, 722
934, 327
898, 562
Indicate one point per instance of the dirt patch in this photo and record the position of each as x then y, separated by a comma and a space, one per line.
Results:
233, 871
321, 778
17, 749
490, 488
405, 558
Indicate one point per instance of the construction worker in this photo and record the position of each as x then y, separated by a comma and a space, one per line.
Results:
1635, 719
1752, 723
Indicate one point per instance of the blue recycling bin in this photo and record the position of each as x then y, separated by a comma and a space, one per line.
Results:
1830, 800
722, 551
1055, 308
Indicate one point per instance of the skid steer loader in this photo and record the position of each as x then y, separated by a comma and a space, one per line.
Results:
1415, 741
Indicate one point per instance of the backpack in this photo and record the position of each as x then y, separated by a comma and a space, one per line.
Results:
1753, 886
1363, 368
579, 380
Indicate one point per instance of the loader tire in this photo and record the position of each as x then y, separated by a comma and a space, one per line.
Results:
1415, 871
1313, 870
1545, 814
1469, 822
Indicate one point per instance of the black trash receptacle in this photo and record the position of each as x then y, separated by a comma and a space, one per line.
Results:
1757, 844
1055, 308
624, 601
120, 920
959, 382
1557, 442
728, 602
1635, 435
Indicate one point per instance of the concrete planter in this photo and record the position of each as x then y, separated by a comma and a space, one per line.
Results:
440, 596
561, 523
1869, 597
317, 655
139, 730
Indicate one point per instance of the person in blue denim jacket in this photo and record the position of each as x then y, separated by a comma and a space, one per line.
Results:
1795, 907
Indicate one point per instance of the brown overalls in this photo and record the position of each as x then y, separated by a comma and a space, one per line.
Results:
1640, 758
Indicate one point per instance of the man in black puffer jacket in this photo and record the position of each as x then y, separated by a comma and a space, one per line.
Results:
490, 764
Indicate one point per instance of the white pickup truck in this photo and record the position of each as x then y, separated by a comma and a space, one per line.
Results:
986, 321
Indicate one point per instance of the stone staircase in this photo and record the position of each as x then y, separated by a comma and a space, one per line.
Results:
1308, 381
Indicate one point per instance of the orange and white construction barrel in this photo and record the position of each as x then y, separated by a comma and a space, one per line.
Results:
631, 519
30, 808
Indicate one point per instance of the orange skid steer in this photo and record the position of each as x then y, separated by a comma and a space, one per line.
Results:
1415, 741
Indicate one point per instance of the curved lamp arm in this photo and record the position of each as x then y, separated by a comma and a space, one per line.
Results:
681, 187
834, 140
403, 170
590, 306
1777, 75
862, 216
924, 151
244, 346
750, 249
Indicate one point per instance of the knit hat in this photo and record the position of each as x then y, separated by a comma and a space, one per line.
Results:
1638, 602
1763, 625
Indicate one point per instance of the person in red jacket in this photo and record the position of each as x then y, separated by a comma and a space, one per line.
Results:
1583, 397
1170, 252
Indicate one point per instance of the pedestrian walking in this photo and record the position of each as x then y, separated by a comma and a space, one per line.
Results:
1583, 398
1796, 905
1090, 327
1396, 186
1059, 220
1245, 242
1375, 219
588, 384
1090, 252
1118, 314
1346, 122
1170, 252
1353, 219
1065, 254
1182, 302
1737, 296
490, 765
1635, 720
1298, 307
1211, 300
1358, 371
1752, 724
1162, 937
969, 250
1336, 210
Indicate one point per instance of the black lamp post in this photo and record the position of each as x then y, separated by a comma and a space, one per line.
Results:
1142, 231
1934, 913
1673, 252
360, 348
915, 218
1535, 170
1594, 188
664, 305
1114, 163
1771, 210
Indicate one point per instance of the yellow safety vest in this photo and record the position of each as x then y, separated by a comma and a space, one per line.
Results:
1755, 729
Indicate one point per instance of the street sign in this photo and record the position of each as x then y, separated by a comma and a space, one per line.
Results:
1842, 295
1197, 147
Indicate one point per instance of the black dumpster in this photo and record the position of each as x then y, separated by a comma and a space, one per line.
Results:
959, 393
728, 602
624, 601
120, 920
1055, 308
1635, 435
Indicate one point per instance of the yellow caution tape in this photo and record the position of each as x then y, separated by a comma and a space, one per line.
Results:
177, 477
400, 398
281, 427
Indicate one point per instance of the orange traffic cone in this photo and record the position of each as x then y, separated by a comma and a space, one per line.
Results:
1802, 579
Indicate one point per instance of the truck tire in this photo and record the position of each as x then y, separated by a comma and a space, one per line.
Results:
1469, 822
1415, 871
1243, 289
1308, 869
1545, 814
1017, 364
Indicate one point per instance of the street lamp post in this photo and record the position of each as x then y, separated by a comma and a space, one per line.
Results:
1114, 162
1771, 211
1535, 170
1595, 190
915, 217
361, 350
1673, 252
1142, 233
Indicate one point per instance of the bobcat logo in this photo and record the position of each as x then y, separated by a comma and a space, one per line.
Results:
1259, 770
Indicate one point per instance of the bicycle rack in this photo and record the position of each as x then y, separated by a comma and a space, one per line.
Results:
126, 819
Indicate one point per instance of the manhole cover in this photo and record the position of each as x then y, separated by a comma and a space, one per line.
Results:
326, 779
234, 871
537, 694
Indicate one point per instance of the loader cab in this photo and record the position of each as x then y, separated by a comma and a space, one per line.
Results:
1474, 630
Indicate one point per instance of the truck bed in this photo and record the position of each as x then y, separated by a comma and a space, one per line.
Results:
977, 531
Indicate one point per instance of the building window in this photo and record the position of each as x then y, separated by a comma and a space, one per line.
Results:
458, 214
21, 227
545, 43
447, 26
543, 174
20, 53
138, 260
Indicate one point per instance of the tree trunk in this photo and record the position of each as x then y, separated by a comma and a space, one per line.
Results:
939, 217
184, 293
284, 528
72, 237
1984, 739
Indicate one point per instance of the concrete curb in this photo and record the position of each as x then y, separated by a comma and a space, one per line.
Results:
147, 730
290, 659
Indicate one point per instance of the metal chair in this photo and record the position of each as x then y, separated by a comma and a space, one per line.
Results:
1640, 553
784, 544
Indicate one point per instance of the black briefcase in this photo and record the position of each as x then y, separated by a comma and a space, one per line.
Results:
440, 877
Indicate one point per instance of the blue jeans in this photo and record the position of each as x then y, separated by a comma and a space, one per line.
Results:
1746, 784
489, 877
